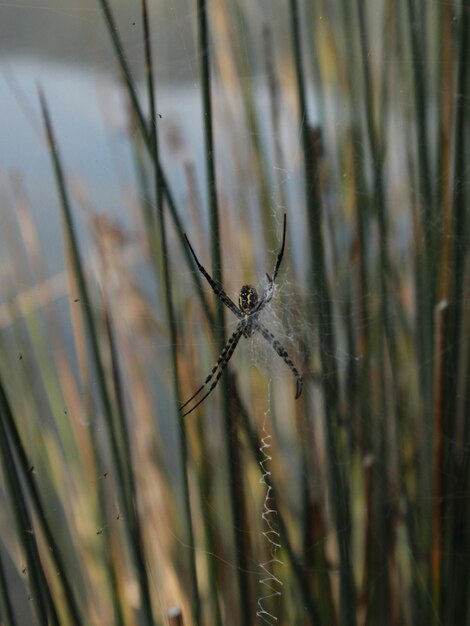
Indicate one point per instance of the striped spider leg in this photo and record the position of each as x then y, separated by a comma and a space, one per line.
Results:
282, 352
269, 289
219, 367
218, 290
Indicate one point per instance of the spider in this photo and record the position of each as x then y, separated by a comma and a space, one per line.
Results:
248, 311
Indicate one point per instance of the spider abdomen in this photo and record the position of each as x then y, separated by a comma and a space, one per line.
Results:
247, 299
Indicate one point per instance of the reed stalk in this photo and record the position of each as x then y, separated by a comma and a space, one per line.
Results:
159, 195
235, 470
322, 308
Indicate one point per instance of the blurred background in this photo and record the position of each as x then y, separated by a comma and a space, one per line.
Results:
125, 126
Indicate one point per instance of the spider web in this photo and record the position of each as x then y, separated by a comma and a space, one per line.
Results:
271, 584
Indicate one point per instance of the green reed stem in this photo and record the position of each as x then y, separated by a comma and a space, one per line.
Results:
381, 490
313, 545
417, 43
246, 62
442, 315
108, 551
211, 536
6, 606
235, 473
361, 224
456, 466
159, 191
40, 592
27, 476
129, 487
339, 491
431, 219
204, 51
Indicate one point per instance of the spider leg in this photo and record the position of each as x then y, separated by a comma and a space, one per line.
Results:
220, 365
280, 254
269, 291
282, 352
218, 290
